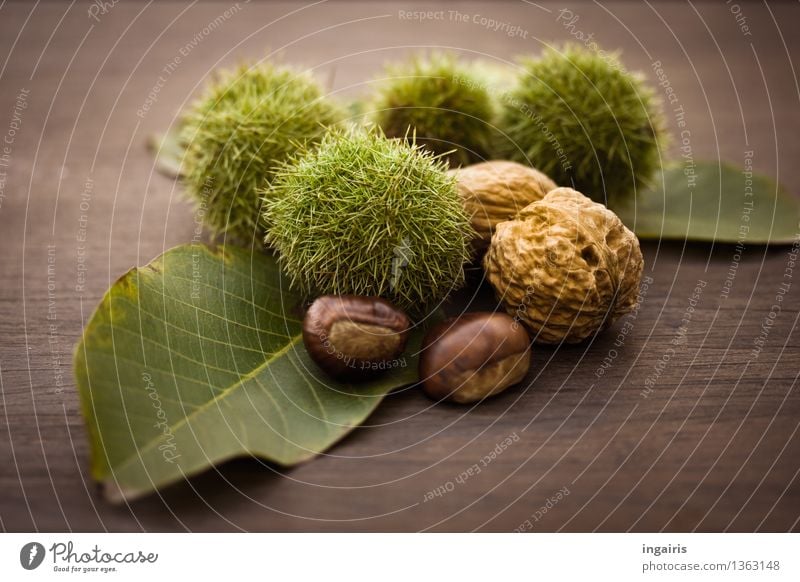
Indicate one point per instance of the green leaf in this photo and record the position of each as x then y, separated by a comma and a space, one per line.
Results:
722, 204
197, 358
169, 153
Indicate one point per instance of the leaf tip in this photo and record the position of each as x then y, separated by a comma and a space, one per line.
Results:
116, 494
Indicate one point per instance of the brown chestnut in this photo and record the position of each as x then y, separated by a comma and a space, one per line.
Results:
351, 337
474, 356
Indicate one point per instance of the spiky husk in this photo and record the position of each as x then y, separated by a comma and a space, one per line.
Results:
581, 118
248, 120
366, 215
438, 98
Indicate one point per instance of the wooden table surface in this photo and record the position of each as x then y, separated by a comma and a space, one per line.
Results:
714, 446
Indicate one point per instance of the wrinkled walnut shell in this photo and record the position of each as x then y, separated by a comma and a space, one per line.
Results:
565, 266
494, 191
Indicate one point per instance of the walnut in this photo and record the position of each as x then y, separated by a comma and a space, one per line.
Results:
565, 266
495, 191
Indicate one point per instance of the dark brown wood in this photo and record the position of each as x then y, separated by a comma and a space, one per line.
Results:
713, 446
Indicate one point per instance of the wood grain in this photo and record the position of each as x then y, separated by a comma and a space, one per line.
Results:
714, 446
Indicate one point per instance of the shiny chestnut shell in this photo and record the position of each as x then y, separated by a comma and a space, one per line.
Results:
346, 335
474, 356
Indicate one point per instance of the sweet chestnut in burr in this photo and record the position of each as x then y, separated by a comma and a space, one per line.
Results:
473, 356
351, 337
